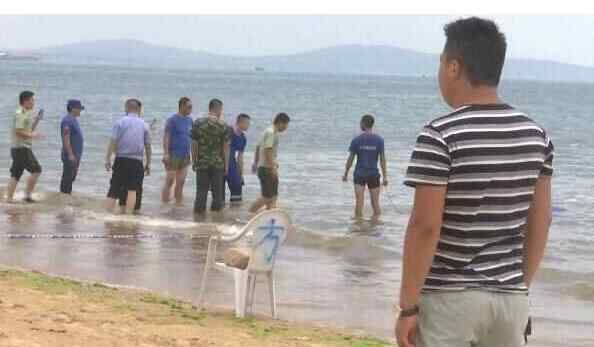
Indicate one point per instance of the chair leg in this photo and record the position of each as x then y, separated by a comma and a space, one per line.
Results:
241, 279
246, 297
209, 254
252, 293
272, 293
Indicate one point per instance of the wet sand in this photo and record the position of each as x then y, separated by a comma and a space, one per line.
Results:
38, 310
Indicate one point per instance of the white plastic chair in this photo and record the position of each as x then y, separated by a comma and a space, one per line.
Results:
267, 231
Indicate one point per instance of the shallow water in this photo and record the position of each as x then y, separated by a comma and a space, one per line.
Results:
336, 270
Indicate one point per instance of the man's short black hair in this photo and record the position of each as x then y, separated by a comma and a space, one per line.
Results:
136, 101
480, 48
25, 95
367, 121
242, 116
183, 101
282, 118
214, 104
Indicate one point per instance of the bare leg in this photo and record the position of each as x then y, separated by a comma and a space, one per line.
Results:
359, 200
180, 180
31, 182
375, 203
258, 204
110, 204
10, 189
131, 201
271, 203
166, 192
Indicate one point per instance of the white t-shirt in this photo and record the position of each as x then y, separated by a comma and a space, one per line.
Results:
269, 139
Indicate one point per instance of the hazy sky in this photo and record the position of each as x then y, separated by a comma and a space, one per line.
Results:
562, 38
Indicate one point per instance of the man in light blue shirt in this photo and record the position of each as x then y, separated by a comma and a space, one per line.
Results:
130, 141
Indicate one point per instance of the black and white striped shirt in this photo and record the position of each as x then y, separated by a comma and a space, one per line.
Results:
489, 157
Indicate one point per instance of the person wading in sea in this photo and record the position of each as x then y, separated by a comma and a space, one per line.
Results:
130, 141
22, 135
176, 150
210, 157
369, 149
266, 163
482, 205
237, 146
72, 145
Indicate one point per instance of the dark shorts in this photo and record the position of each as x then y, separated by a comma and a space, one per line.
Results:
127, 174
23, 159
372, 182
268, 183
177, 163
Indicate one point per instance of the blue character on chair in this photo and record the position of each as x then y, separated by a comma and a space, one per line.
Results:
271, 230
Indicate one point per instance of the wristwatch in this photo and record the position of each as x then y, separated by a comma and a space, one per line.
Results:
409, 312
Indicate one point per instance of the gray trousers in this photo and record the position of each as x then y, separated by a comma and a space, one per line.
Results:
210, 179
472, 318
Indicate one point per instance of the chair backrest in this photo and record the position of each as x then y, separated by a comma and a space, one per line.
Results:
270, 230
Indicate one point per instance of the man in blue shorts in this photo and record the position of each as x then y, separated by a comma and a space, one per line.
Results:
176, 150
368, 148
238, 143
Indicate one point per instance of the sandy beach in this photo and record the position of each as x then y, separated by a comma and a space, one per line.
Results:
40, 310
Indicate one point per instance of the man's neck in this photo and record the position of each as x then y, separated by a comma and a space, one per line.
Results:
478, 96
131, 114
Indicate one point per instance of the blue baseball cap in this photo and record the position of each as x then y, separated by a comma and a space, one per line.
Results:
73, 103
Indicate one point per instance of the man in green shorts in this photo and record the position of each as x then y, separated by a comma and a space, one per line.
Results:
23, 134
266, 164
176, 150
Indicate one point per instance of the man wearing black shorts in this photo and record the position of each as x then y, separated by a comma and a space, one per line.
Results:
130, 141
368, 148
266, 164
22, 135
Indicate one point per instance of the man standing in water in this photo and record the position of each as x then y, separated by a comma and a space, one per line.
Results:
238, 143
130, 141
176, 150
72, 145
482, 205
266, 164
210, 157
22, 135
368, 148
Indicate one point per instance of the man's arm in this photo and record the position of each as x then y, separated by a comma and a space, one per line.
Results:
269, 160
148, 150
226, 154
420, 243
68, 145
537, 229
256, 159
166, 141
240, 163
111, 147
195, 150
348, 165
384, 166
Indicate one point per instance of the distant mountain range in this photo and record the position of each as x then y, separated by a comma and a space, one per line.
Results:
348, 59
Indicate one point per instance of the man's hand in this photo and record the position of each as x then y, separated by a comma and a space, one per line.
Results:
72, 158
40, 114
345, 178
254, 168
108, 165
147, 170
406, 331
385, 182
166, 160
37, 136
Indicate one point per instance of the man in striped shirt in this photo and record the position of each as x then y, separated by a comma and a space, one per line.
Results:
482, 205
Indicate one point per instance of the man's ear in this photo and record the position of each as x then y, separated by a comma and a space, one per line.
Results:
454, 69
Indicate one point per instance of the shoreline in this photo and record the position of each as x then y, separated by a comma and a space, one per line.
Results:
44, 310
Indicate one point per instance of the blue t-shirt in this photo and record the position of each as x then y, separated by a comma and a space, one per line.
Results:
70, 124
238, 143
179, 128
367, 147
